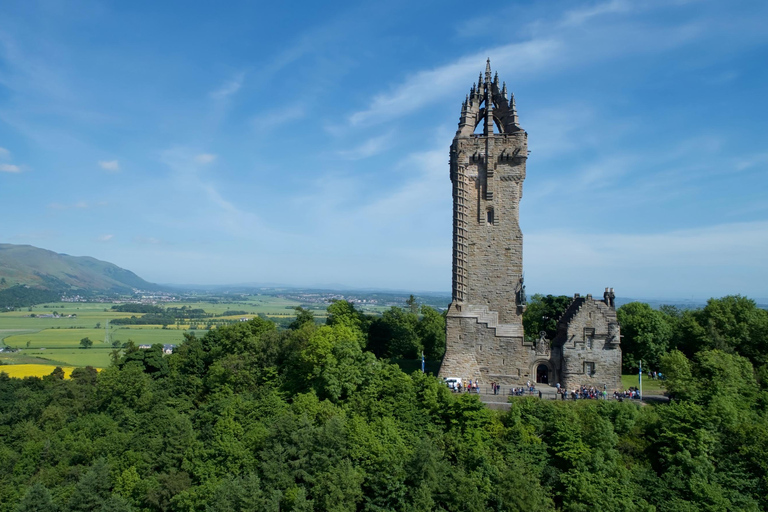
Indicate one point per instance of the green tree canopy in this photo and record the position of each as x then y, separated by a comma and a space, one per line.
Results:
303, 316
646, 335
543, 313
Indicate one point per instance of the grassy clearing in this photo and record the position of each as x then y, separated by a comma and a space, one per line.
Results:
650, 386
19, 371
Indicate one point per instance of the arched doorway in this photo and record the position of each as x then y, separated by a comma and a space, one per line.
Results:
542, 374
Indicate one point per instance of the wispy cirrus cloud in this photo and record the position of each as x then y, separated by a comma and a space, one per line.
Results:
188, 173
272, 119
147, 240
10, 168
205, 158
229, 87
551, 48
751, 161
370, 147
105, 238
426, 87
110, 165
80, 205
4, 153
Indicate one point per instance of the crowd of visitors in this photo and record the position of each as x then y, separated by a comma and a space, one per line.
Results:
628, 393
581, 393
470, 387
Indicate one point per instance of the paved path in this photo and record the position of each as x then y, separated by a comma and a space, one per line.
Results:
501, 401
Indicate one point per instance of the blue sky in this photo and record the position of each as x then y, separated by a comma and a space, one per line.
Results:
306, 143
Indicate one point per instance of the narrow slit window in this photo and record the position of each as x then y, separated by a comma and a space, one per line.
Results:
489, 216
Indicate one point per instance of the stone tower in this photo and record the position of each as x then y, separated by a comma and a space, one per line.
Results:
484, 329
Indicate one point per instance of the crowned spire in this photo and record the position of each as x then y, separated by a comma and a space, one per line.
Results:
491, 102
513, 120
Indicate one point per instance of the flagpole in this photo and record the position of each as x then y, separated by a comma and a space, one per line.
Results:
641, 379
422, 361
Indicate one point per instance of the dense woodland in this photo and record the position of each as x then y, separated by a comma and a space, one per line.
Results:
314, 417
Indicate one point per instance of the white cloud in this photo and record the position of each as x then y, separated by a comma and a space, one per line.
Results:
4, 153
215, 210
429, 175
751, 161
578, 17
205, 158
434, 85
370, 147
105, 238
147, 240
272, 119
9, 168
229, 88
577, 38
110, 165
61, 206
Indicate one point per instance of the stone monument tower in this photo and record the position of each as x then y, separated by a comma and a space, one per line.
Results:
484, 331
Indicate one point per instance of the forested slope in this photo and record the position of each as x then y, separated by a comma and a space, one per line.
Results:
252, 418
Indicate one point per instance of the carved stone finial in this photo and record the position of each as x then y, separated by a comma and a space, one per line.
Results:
513, 122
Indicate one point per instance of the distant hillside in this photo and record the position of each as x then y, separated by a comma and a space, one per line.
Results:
43, 269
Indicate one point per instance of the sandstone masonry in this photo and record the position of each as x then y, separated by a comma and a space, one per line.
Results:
484, 329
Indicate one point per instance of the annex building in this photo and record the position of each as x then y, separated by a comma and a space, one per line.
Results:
484, 327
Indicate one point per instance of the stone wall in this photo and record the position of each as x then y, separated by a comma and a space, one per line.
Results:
588, 334
476, 348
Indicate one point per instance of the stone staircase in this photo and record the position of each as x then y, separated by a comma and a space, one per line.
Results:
491, 320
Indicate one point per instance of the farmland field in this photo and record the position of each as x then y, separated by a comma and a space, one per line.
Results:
149, 336
20, 371
55, 338
56, 341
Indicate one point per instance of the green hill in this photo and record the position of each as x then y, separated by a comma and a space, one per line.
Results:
41, 269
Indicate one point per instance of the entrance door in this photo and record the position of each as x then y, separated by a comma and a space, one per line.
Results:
542, 374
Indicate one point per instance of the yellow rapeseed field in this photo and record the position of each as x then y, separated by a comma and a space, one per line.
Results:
20, 371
